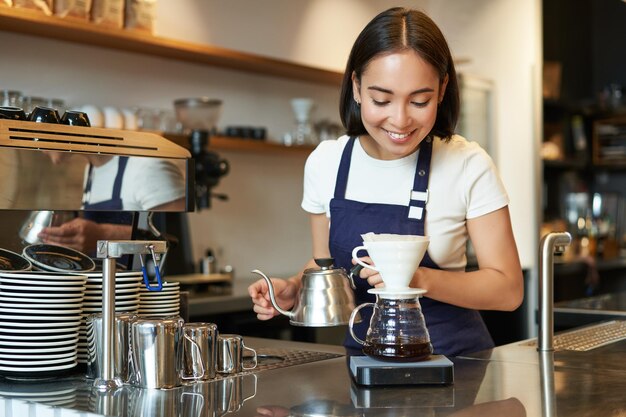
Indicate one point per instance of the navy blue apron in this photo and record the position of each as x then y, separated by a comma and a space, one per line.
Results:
453, 330
105, 211
115, 202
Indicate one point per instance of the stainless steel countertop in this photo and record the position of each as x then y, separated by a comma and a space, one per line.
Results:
512, 380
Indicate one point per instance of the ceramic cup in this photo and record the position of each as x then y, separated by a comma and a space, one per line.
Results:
12, 113
96, 117
42, 114
113, 118
130, 119
395, 260
75, 118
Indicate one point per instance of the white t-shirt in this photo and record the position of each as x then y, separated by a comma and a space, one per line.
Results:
147, 183
463, 184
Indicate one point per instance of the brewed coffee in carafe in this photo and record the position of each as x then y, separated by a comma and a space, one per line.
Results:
397, 330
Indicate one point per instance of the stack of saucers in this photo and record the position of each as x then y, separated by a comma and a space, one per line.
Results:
127, 284
40, 316
160, 303
11, 261
58, 259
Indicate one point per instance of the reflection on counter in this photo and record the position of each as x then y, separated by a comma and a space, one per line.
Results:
512, 380
217, 397
210, 399
395, 402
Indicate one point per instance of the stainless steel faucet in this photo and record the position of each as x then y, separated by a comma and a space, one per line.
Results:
546, 379
110, 250
550, 243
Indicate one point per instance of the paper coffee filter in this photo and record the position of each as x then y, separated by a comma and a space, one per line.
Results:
386, 237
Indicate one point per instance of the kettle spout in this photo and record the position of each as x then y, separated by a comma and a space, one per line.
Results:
270, 287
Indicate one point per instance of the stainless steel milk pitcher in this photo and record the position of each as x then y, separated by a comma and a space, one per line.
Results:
157, 352
199, 351
122, 345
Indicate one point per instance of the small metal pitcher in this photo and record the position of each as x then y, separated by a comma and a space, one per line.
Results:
157, 352
38, 220
325, 297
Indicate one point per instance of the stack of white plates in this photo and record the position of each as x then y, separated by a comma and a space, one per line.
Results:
127, 284
40, 315
160, 303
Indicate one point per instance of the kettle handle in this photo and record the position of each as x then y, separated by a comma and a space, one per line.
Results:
351, 322
270, 287
354, 273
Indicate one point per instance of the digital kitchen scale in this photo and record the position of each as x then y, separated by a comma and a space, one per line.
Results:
436, 370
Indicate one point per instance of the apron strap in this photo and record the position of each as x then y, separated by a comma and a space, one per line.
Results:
117, 185
419, 194
344, 168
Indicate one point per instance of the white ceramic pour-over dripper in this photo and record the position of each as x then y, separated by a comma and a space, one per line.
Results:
395, 259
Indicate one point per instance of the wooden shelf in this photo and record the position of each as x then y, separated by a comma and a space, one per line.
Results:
35, 23
225, 143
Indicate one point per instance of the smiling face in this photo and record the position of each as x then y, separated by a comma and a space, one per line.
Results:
399, 94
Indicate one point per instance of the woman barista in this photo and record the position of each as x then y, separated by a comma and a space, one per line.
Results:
401, 169
114, 187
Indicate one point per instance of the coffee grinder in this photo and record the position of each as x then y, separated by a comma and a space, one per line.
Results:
198, 118
397, 344
209, 168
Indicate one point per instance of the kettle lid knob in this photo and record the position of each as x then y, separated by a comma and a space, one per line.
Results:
325, 263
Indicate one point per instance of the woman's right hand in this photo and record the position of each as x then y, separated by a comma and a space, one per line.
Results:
285, 291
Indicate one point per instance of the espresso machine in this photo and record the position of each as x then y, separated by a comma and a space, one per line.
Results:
33, 183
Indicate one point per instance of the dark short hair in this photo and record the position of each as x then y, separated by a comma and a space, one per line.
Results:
394, 30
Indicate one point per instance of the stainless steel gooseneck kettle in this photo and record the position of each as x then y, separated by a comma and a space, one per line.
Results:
325, 297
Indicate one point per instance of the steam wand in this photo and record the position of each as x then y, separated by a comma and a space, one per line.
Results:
109, 250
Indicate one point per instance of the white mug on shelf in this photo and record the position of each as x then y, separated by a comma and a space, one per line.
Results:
96, 117
113, 118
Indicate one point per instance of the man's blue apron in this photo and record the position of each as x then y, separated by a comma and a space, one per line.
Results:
108, 211
453, 330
